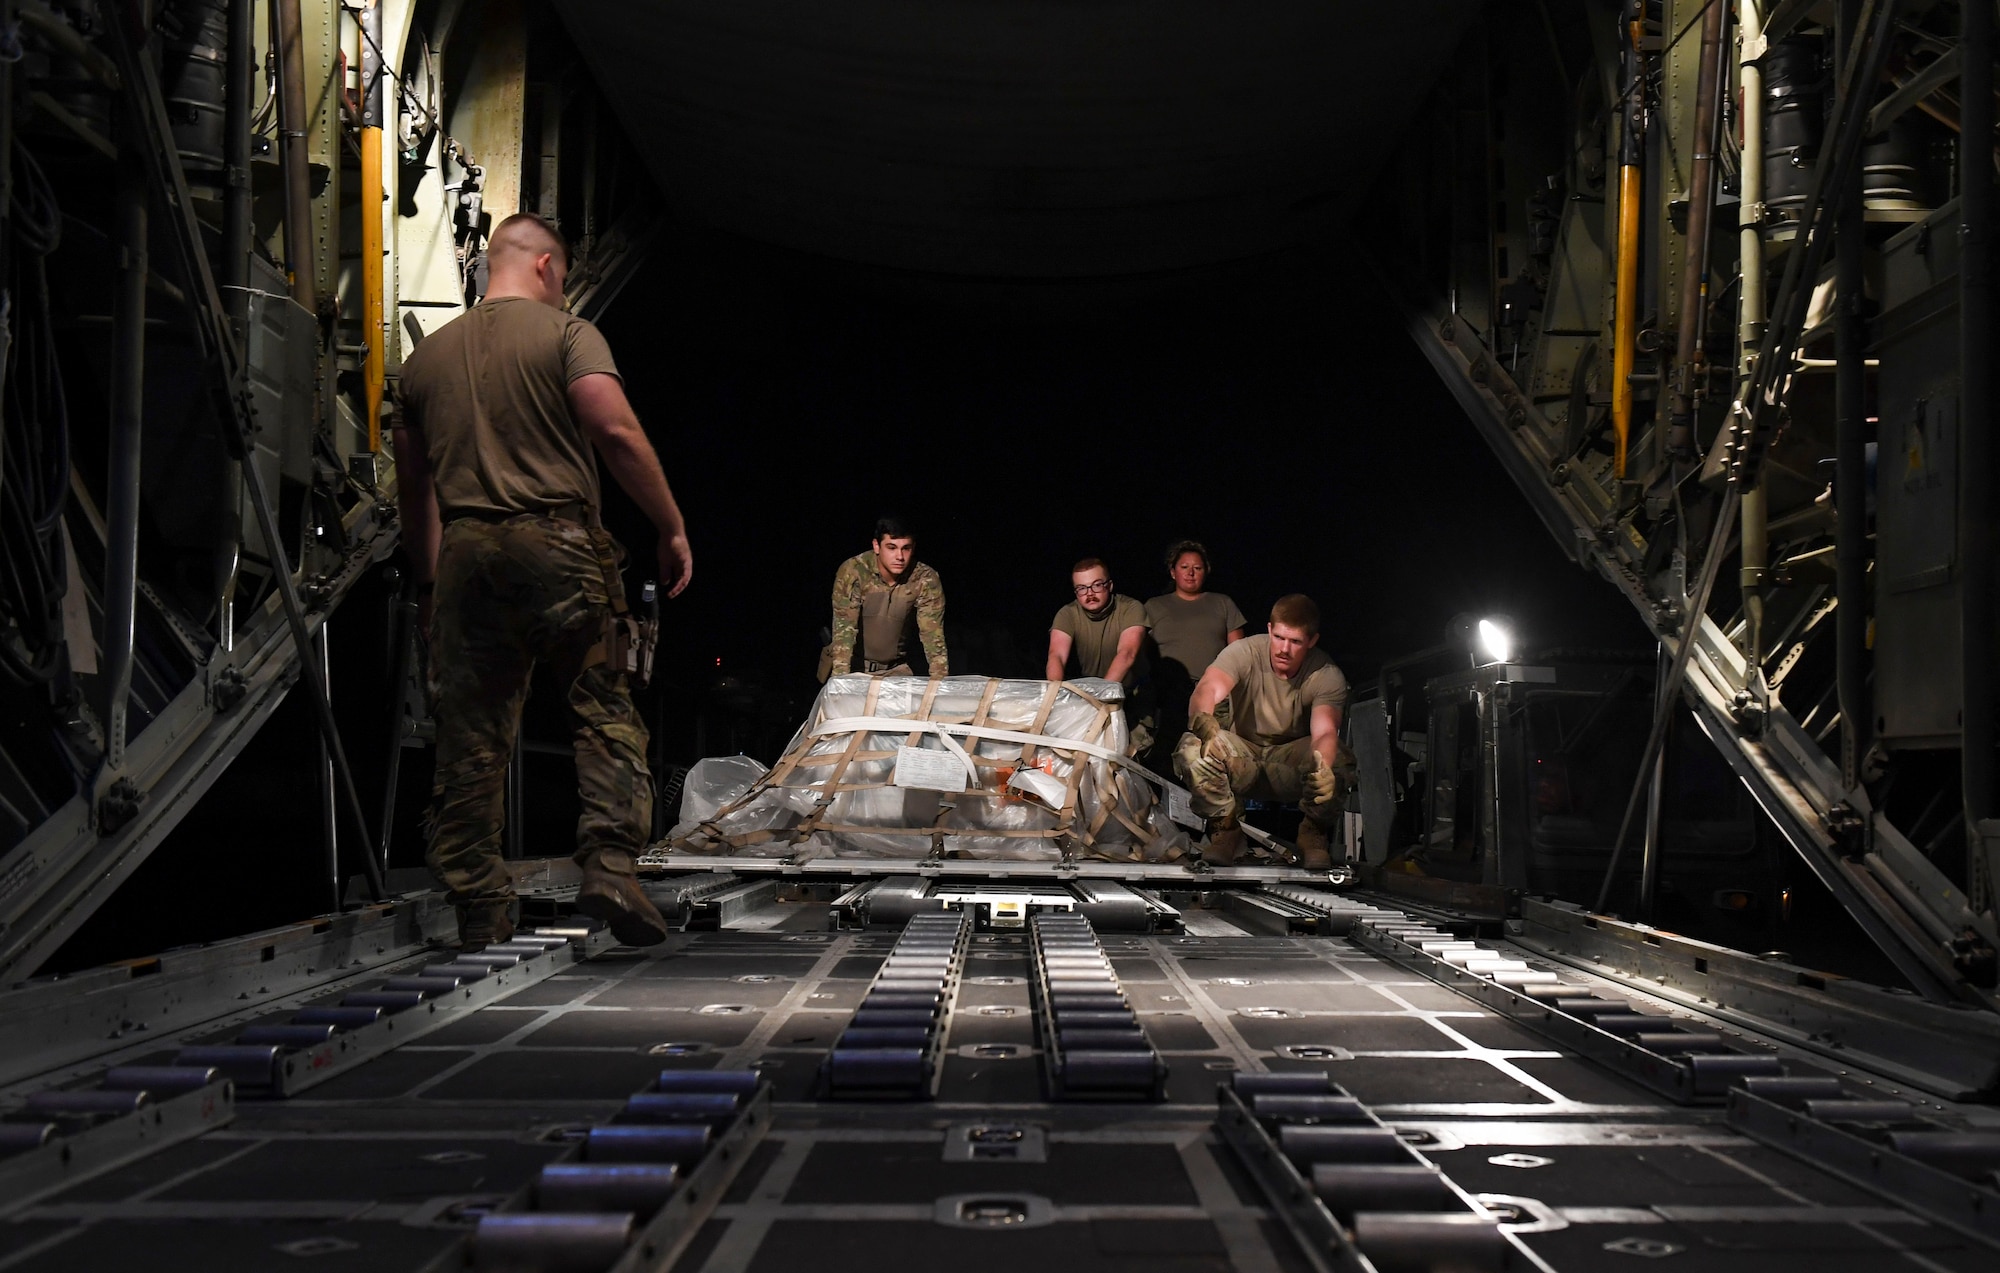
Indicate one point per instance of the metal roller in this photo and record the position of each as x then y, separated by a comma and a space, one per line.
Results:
682, 1143
1714, 1074
742, 1082
1309, 1143
640, 1188
900, 1001
1411, 1242
1557, 993
849, 1069
1120, 1019
878, 1019
1862, 1111
550, 1242
932, 974
1088, 1039
1070, 990
1793, 1090
464, 972
428, 986
547, 938
897, 1037
1295, 1082
161, 1080
252, 1065
910, 986
680, 1107
1971, 1155
1587, 1006
1681, 1042
524, 951
292, 1035
343, 1017
1292, 1107
19, 1138
490, 957
1347, 1189
387, 1000
1631, 1023
1063, 1003
88, 1103
1101, 1070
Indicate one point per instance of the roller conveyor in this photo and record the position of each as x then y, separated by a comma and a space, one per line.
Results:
1354, 1193
1678, 1056
631, 1193
554, 1127
892, 1043
1093, 1047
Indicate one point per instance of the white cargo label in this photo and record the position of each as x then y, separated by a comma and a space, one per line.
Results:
929, 770
1180, 808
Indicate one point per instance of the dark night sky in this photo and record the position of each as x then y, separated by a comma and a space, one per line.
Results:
1279, 413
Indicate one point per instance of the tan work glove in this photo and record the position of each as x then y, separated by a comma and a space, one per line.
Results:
1187, 753
1320, 787
1204, 726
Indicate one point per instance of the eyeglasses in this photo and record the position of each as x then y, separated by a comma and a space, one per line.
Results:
1085, 589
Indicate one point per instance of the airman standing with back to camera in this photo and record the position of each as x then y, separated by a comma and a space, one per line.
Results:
1265, 722
1106, 634
878, 597
507, 410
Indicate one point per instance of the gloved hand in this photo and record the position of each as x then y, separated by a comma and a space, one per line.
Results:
1208, 774
1320, 788
1187, 753
1204, 726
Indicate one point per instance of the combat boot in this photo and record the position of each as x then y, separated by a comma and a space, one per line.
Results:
1315, 853
1224, 844
483, 924
614, 896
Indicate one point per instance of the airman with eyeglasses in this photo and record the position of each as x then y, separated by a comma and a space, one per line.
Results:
1105, 635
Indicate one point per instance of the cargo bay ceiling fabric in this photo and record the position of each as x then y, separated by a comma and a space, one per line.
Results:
965, 766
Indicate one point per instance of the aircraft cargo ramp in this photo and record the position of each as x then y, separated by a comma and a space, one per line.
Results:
818, 1074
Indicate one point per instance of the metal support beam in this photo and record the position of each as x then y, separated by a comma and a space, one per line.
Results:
1649, 862
285, 21
128, 404
222, 356
1977, 509
1850, 481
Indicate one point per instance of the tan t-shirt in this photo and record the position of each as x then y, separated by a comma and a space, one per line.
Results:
1191, 633
1268, 708
489, 394
1094, 638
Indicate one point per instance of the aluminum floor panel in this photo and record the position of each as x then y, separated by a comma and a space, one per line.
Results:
382, 1168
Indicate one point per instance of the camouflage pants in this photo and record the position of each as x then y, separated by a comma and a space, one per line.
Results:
509, 595
1262, 771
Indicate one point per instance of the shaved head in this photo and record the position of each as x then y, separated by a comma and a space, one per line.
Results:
526, 257
526, 234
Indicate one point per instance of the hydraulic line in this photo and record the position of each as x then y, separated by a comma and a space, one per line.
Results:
1631, 189
1690, 368
288, 25
1756, 409
372, 306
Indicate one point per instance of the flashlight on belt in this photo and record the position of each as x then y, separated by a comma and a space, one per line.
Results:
639, 657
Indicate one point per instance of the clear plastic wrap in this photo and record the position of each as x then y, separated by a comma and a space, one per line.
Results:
834, 791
